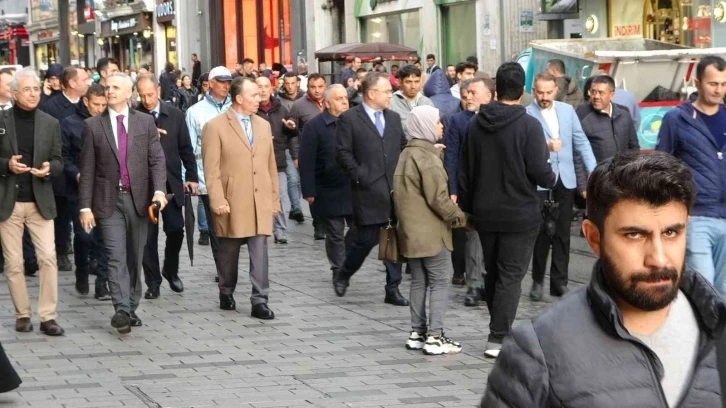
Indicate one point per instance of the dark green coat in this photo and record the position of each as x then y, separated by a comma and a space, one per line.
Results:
47, 148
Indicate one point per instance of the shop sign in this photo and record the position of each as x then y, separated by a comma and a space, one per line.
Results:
165, 11
118, 25
88, 13
627, 18
375, 3
45, 35
526, 21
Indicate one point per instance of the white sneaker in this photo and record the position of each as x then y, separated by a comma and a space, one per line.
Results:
415, 341
439, 344
492, 350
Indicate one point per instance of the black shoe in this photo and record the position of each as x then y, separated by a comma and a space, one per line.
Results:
458, 280
394, 297
121, 322
134, 320
31, 268
536, 293
297, 215
23, 325
473, 297
261, 311
64, 264
216, 278
174, 282
340, 285
82, 283
319, 235
226, 302
51, 328
280, 240
203, 238
102, 292
152, 293
556, 290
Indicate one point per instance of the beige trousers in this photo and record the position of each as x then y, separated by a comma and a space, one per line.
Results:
43, 236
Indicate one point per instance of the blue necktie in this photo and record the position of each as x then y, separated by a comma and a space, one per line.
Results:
248, 130
379, 123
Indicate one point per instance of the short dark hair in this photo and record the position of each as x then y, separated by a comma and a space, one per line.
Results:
315, 76
145, 66
451, 65
68, 74
7, 71
557, 64
361, 70
204, 77
194, 54
370, 80
103, 63
407, 71
510, 81
603, 79
169, 67
473, 60
394, 65
654, 178
238, 85
291, 76
463, 66
431, 56
95, 90
707, 61
544, 76
247, 61
488, 83
586, 88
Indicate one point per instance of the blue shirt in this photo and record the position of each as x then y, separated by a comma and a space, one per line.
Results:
372, 114
716, 124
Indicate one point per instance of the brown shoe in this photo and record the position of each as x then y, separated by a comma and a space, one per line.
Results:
23, 325
51, 328
458, 280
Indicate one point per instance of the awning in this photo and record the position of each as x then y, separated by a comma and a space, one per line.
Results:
367, 52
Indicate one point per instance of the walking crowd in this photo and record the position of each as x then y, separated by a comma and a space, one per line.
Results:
460, 175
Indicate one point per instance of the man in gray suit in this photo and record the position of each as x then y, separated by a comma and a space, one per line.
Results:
30, 151
121, 162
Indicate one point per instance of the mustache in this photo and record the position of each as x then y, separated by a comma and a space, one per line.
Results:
655, 275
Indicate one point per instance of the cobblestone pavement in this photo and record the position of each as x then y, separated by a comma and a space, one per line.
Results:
320, 351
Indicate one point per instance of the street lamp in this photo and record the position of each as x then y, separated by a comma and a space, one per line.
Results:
147, 33
719, 11
100, 42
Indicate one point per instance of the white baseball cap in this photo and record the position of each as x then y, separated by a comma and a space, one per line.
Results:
220, 74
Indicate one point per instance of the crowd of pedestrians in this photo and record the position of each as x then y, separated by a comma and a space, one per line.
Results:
477, 178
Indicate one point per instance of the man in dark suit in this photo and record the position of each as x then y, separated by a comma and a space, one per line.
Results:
177, 146
196, 71
368, 141
121, 164
75, 82
30, 150
324, 184
93, 104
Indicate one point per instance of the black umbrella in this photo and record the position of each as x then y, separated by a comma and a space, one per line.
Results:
189, 222
550, 212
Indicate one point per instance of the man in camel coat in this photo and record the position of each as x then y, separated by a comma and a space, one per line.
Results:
241, 176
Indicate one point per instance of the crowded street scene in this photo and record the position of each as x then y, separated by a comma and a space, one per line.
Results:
200, 202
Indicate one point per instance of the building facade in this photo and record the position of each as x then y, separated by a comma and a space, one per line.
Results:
14, 42
182, 28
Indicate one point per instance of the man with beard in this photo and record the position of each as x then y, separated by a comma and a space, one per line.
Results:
642, 333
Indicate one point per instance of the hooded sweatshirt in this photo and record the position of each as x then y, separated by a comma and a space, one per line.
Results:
437, 89
503, 160
403, 106
568, 91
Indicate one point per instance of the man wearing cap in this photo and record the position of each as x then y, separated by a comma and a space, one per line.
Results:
214, 103
52, 84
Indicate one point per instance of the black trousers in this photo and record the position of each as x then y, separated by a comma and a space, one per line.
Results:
506, 258
62, 225
84, 244
337, 241
213, 240
560, 242
173, 219
458, 255
366, 238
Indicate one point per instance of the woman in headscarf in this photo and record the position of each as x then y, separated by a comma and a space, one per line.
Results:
426, 215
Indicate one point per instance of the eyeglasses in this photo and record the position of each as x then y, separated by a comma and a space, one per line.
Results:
30, 89
387, 91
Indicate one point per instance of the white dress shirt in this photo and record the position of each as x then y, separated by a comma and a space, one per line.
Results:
5, 106
456, 91
550, 117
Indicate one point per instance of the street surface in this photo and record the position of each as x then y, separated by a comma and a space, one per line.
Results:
320, 351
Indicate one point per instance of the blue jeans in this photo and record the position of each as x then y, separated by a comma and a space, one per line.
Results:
293, 183
706, 249
279, 222
201, 217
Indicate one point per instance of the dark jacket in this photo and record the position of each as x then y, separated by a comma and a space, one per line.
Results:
454, 132
370, 160
684, 135
568, 91
579, 354
10, 379
503, 160
283, 138
167, 82
608, 135
47, 148
59, 108
320, 175
437, 89
72, 136
177, 148
189, 97
196, 73
287, 101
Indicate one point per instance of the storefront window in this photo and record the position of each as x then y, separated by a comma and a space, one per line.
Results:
45, 54
171, 44
459, 32
685, 22
401, 29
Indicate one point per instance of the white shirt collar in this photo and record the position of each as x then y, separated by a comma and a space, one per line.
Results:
157, 108
113, 114
71, 100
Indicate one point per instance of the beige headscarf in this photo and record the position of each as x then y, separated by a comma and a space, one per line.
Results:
421, 123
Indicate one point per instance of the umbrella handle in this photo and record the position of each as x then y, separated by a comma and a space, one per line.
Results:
153, 211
